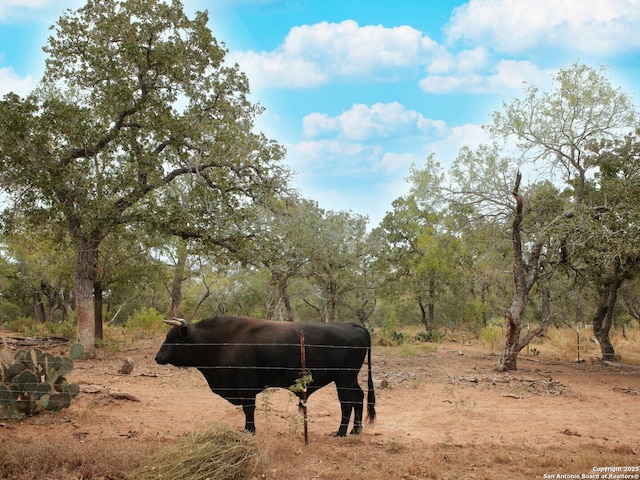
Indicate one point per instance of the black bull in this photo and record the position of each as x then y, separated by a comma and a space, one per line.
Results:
240, 357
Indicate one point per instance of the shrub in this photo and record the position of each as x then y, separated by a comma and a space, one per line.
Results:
397, 338
147, 321
492, 335
431, 336
29, 327
23, 325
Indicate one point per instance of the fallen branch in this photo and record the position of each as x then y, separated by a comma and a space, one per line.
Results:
629, 390
34, 342
621, 365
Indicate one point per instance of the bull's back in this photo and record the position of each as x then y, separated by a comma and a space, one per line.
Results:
271, 350
252, 331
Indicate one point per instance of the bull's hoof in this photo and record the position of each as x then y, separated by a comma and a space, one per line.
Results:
340, 434
356, 431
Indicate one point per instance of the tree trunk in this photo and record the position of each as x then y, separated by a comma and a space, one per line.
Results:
334, 302
98, 302
423, 315
51, 312
603, 317
287, 305
632, 309
524, 278
431, 318
85, 270
545, 304
176, 299
179, 276
281, 282
511, 347
50, 296
38, 307
324, 316
483, 301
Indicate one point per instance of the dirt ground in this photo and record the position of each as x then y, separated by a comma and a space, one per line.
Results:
443, 413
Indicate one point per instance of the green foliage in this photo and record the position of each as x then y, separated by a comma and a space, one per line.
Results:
431, 336
389, 338
146, 321
301, 383
31, 328
32, 381
138, 124
492, 335
8, 310
397, 338
66, 329
24, 325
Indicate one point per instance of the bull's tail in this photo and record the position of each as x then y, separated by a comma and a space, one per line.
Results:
371, 394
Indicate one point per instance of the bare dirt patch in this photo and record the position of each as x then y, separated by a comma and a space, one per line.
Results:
444, 414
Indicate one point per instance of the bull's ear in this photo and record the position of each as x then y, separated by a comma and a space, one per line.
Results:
184, 331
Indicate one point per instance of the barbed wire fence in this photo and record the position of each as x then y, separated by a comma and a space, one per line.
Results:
296, 368
583, 336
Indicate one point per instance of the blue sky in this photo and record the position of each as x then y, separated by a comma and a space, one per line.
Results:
358, 91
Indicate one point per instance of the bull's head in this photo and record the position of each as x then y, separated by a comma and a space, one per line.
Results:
173, 348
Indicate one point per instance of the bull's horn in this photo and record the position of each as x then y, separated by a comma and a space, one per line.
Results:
175, 322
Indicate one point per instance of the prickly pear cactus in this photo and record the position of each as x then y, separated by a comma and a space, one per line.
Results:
32, 381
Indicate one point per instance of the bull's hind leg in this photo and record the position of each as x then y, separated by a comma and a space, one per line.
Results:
351, 397
358, 403
249, 410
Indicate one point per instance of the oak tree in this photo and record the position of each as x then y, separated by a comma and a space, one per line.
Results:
135, 97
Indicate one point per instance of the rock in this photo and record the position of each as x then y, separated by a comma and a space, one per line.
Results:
118, 395
92, 388
127, 366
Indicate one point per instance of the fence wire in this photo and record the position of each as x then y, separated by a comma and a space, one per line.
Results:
284, 367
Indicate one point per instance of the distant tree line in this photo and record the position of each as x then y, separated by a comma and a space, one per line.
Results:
132, 177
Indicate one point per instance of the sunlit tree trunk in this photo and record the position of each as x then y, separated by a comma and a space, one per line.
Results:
524, 277
85, 270
603, 316
98, 302
179, 276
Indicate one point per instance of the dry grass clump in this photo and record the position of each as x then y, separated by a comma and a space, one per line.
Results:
563, 344
53, 459
222, 454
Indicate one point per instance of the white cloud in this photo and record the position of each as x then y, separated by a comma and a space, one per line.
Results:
318, 124
278, 69
343, 158
312, 55
514, 25
25, 3
392, 162
447, 148
380, 120
310, 155
350, 176
11, 82
505, 75
21, 9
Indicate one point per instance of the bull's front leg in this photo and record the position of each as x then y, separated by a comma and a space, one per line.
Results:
249, 410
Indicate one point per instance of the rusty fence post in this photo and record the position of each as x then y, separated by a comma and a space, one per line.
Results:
303, 363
